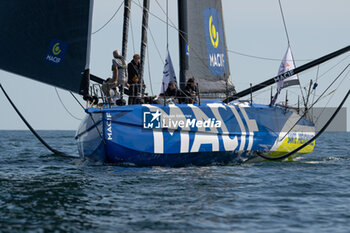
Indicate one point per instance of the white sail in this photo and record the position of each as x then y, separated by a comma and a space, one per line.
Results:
287, 64
168, 74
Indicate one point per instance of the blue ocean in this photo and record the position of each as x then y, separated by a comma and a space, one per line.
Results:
42, 192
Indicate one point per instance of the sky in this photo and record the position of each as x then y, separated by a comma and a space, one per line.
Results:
253, 27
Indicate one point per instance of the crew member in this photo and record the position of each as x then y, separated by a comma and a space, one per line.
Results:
191, 91
119, 74
172, 92
134, 81
109, 89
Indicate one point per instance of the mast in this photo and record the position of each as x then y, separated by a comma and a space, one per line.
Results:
167, 25
183, 38
85, 81
143, 40
127, 7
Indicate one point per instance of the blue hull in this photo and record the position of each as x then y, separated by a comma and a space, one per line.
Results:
184, 135
123, 156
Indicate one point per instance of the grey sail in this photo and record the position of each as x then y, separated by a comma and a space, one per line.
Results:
48, 41
203, 51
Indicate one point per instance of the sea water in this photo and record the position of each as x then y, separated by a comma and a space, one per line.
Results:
41, 192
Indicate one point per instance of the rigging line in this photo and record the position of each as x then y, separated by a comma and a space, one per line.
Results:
312, 139
263, 58
167, 24
66, 107
155, 44
93, 120
318, 99
332, 93
178, 30
132, 34
284, 22
314, 90
322, 75
167, 20
297, 70
29, 126
304, 114
139, 5
115, 13
149, 71
318, 77
286, 30
77, 100
231, 51
153, 40
181, 34
301, 89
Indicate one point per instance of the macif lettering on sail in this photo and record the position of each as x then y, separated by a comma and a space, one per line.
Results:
215, 41
55, 52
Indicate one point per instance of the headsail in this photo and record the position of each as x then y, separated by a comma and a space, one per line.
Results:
168, 74
48, 41
203, 52
287, 64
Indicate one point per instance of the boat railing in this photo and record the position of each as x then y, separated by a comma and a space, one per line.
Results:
105, 98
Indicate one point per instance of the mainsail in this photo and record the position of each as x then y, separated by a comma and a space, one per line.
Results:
203, 52
48, 41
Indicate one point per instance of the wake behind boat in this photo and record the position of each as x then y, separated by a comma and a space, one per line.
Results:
215, 127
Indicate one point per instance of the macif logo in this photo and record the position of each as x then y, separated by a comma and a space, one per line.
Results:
215, 41
151, 120
55, 52
214, 35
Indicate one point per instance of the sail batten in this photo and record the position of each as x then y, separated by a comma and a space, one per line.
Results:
48, 41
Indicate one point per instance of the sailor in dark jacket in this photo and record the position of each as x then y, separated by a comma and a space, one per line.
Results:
191, 91
171, 92
133, 79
